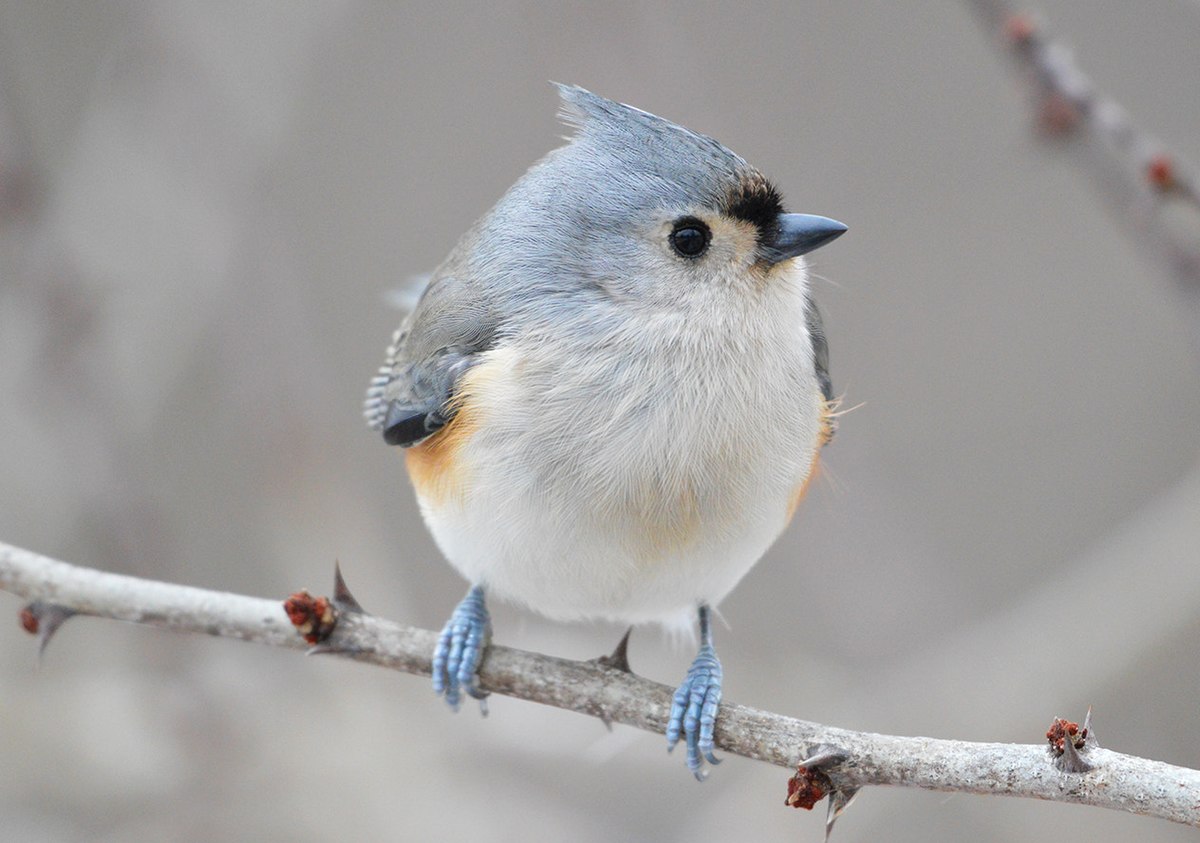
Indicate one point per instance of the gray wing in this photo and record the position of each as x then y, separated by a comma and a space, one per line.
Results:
410, 398
820, 345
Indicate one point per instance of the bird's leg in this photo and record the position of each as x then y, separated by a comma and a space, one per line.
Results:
460, 649
694, 707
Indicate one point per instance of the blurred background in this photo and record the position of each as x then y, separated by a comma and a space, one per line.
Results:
202, 209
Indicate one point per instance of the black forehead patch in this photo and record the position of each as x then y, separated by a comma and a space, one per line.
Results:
756, 201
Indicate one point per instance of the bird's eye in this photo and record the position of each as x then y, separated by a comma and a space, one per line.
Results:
690, 237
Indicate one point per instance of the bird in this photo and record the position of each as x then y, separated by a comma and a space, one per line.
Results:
613, 393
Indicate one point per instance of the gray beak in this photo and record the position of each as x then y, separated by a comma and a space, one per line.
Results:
798, 235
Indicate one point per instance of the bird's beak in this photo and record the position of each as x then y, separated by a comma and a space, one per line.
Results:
799, 234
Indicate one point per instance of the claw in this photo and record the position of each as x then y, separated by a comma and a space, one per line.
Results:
460, 649
694, 707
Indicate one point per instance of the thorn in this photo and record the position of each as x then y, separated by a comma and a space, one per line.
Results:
619, 660
1066, 739
43, 620
313, 617
1072, 761
1088, 731
333, 650
839, 801
823, 756
342, 597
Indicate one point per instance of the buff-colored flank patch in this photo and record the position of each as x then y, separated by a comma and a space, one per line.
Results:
828, 425
435, 466
802, 489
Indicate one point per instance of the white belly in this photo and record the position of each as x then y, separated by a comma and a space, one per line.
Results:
630, 486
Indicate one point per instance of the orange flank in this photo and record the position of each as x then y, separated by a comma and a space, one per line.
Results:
435, 466
829, 414
802, 489
828, 425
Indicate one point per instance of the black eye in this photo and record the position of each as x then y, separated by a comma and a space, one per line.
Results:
690, 237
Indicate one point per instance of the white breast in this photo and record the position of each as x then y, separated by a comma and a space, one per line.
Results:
636, 472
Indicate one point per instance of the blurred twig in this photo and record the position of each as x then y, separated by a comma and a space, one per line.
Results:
1156, 192
849, 760
19, 189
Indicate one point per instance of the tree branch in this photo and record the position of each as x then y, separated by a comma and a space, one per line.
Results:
1155, 193
850, 760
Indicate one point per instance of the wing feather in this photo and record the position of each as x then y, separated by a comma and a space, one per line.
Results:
411, 397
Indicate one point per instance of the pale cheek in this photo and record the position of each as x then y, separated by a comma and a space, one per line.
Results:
735, 266
728, 257
737, 243
790, 275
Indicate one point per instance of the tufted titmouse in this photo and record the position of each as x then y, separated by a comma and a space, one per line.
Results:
613, 391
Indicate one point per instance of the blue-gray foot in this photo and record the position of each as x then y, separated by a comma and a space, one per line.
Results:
460, 649
694, 707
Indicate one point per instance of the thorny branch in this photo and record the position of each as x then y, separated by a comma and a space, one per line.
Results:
1156, 192
837, 762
